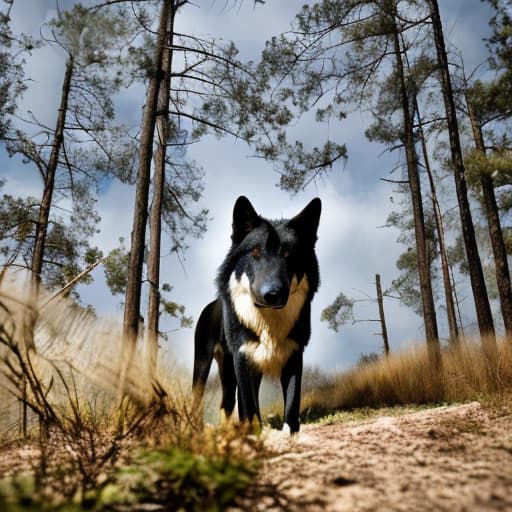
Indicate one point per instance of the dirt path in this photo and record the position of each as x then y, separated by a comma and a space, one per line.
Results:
456, 458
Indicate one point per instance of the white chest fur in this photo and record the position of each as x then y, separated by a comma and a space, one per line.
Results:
272, 326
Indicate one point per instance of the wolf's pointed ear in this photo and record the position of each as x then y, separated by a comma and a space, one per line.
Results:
245, 219
306, 222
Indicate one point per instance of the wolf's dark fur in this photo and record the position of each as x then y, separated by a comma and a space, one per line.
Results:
260, 322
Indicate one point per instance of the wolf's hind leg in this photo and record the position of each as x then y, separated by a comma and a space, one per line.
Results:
207, 334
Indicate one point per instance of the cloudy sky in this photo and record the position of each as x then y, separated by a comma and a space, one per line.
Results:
352, 247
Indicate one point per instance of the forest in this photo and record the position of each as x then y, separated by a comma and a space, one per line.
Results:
445, 125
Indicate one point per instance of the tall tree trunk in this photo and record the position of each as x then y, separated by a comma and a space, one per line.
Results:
445, 265
43, 220
483, 308
140, 214
427, 297
155, 219
49, 181
495, 231
381, 315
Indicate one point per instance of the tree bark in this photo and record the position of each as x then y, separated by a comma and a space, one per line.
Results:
483, 309
49, 181
494, 225
427, 297
140, 215
381, 315
155, 220
445, 265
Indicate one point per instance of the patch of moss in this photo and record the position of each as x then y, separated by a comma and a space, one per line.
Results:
176, 478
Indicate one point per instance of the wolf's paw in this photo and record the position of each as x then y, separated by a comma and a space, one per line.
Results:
288, 431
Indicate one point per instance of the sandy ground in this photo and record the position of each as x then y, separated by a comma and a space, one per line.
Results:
456, 458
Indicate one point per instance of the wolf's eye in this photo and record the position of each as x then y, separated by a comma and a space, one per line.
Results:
256, 253
285, 253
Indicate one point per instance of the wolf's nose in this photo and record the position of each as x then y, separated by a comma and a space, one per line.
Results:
274, 296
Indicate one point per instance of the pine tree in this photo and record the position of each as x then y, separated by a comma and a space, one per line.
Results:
492, 215
84, 146
138, 239
163, 127
481, 299
429, 312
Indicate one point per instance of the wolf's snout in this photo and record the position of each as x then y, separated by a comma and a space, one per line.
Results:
274, 295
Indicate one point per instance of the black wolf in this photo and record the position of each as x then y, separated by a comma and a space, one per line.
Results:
260, 322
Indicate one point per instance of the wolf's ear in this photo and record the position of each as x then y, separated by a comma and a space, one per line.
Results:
245, 219
306, 222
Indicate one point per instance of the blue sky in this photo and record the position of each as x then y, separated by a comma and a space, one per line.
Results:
352, 247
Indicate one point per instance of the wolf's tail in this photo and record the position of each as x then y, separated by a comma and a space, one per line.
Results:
208, 334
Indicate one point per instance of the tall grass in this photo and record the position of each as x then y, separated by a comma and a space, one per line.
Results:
102, 441
407, 378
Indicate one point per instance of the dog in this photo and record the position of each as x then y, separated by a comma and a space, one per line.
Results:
260, 322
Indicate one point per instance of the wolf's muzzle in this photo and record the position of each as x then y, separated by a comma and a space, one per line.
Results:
273, 295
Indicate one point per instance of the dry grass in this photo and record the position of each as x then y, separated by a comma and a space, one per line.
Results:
98, 440
407, 378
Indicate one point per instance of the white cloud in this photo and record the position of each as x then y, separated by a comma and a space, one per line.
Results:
115, 208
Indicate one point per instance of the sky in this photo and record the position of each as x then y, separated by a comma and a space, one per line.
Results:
352, 244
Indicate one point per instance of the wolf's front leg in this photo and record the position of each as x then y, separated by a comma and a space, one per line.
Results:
248, 379
291, 377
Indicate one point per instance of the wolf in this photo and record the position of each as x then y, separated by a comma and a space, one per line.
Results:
260, 322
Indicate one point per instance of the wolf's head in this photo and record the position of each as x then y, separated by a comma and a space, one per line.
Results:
269, 259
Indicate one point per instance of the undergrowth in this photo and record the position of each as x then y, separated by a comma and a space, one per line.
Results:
168, 460
165, 478
105, 432
406, 378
